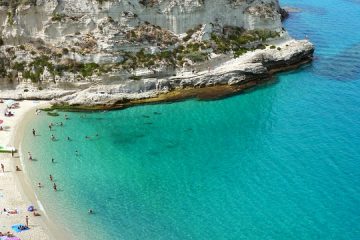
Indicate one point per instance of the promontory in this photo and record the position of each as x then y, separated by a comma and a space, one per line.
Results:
114, 53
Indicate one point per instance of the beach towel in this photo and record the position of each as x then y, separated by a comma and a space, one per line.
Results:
16, 228
9, 238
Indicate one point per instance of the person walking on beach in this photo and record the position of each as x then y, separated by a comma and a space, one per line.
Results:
51, 177
55, 187
33, 132
27, 221
2, 167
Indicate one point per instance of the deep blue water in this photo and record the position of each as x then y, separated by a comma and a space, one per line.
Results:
280, 162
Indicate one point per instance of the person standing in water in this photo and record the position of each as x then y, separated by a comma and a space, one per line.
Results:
52, 160
33, 132
55, 187
50, 126
51, 177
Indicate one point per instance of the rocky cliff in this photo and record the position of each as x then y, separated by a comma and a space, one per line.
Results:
114, 51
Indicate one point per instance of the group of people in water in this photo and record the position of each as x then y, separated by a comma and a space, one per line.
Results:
53, 138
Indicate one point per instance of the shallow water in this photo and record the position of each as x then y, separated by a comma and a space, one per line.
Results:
281, 162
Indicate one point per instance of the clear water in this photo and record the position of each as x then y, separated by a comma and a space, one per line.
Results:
281, 162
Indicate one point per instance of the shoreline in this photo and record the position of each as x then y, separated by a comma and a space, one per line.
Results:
16, 189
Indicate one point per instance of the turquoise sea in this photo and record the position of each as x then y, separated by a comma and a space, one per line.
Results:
279, 162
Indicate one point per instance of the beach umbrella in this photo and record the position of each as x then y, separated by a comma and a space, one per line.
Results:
9, 102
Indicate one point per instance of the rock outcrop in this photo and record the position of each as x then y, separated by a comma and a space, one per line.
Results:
106, 52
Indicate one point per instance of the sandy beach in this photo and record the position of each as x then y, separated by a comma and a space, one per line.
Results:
16, 193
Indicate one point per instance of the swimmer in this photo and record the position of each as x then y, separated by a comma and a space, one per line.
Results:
52, 137
39, 185
90, 211
52, 160
50, 126
68, 138
51, 177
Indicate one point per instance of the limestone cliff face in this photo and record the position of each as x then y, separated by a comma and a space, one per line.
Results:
79, 43
34, 19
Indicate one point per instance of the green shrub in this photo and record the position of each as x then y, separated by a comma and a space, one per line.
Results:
58, 17
133, 77
65, 51
88, 69
272, 47
240, 52
19, 66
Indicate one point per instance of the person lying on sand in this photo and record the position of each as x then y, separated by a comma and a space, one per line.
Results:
12, 211
36, 214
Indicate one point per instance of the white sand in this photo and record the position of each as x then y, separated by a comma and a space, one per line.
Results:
15, 192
